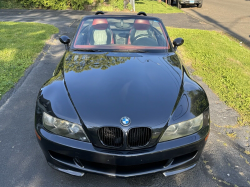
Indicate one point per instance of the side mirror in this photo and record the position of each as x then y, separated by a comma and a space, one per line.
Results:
178, 42
65, 40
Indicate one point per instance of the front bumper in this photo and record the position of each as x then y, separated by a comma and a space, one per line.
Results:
76, 157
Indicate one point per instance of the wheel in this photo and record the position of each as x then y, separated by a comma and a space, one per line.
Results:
178, 4
199, 5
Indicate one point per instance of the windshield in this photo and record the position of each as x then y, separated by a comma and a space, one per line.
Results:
121, 33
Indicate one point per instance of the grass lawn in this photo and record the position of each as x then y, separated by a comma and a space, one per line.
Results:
20, 44
150, 6
223, 64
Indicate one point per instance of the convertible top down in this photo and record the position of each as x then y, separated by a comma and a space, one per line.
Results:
121, 97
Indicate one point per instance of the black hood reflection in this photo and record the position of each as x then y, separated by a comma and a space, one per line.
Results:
199, 101
83, 62
142, 86
58, 77
173, 60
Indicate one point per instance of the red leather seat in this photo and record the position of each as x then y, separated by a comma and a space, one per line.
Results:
139, 25
100, 33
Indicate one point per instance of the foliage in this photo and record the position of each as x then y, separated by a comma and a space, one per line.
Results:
117, 4
47, 4
79, 4
104, 8
120, 4
149, 6
222, 62
20, 44
114, 5
129, 7
10, 4
79, 63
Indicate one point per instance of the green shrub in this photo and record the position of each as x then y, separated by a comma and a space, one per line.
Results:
120, 4
129, 7
117, 4
56, 4
10, 4
79, 4
104, 8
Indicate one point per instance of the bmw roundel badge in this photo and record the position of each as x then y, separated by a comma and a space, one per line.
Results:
125, 121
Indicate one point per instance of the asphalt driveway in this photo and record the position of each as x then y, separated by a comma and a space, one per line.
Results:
22, 162
231, 16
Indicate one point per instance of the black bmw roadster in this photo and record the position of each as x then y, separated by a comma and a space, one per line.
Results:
121, 103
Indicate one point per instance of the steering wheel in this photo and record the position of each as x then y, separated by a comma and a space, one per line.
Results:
142, 36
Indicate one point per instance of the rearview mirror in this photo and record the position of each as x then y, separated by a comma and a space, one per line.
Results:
65, 40
178, 42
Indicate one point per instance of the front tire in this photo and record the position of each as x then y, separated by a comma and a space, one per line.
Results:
199, 5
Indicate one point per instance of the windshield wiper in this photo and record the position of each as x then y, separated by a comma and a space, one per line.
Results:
88, 50
129, 51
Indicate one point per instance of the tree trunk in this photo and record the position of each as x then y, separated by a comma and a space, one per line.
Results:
125, 2
168, 2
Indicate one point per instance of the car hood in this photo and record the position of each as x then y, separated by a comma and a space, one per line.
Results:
105, 87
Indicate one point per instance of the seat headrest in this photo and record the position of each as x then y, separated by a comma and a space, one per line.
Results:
100, 24
141, 24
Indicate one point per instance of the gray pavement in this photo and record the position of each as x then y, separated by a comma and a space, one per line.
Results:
22, 162
231, 16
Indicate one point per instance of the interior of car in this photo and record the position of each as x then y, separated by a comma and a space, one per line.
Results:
138, 32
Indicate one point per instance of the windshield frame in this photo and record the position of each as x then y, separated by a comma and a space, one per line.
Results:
149, 49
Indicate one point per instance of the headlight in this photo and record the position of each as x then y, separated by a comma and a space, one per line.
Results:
64, 128
183, 129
